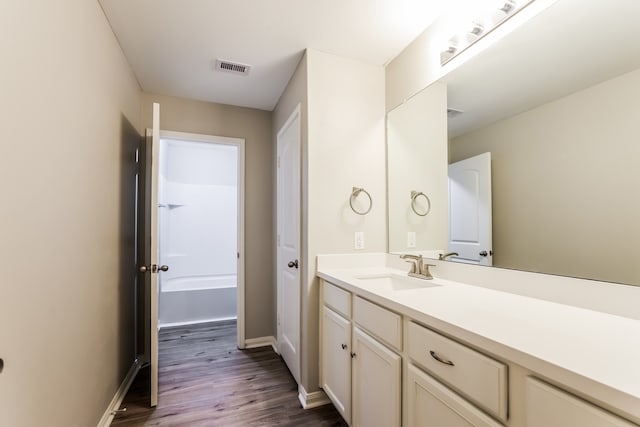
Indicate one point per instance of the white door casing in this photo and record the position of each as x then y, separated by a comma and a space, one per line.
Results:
240, 144
470, 218
288, 242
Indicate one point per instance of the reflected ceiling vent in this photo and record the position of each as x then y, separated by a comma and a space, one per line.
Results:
452, 112
232, 67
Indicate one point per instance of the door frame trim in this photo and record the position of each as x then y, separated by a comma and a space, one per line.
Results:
240, 143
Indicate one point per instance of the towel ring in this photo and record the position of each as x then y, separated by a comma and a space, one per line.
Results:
355, 193
414, 196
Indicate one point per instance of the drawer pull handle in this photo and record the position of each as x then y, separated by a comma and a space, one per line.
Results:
439, 359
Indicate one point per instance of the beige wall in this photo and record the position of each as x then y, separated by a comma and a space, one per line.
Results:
417, 160
255, 126
70, 109
415, 68
346, 149
565, 174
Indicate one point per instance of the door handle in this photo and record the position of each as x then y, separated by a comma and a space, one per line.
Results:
153, 268
485, 253
293, 264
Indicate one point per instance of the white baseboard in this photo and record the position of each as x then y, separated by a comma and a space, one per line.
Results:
261, 342
108, 415
312, 400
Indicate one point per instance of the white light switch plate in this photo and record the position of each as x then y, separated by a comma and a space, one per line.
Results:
358, 242
411, 239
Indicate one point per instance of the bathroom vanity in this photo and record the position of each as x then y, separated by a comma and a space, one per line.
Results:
400, 351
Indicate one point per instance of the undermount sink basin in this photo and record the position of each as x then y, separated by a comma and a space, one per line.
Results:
396, 282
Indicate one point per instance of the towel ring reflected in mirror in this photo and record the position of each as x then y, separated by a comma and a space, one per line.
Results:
416, 210
354, 195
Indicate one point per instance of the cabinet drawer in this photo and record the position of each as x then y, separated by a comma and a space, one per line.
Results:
384, 324
548, 406
336, 298
476, 376
431, 404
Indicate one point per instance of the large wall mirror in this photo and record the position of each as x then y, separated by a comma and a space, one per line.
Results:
556, 103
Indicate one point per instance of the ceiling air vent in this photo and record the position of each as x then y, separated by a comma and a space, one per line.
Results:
232, 67
451, 113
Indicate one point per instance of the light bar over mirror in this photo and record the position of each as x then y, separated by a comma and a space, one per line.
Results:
477, 19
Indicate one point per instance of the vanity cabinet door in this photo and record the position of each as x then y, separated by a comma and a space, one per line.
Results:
432, 404
376, 383
336, 360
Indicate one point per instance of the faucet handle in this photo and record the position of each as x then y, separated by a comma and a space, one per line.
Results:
414, 265
425, 270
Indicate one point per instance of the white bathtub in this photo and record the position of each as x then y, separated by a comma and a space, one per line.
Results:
186, 300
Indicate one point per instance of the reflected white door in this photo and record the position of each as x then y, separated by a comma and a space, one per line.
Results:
288, 263
470, 229
150, 268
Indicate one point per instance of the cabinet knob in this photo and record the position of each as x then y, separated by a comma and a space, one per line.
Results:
344, 346
353, 355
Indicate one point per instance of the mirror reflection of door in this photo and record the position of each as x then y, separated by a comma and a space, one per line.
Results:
470, 231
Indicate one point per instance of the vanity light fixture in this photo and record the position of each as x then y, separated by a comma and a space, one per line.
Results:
482, 25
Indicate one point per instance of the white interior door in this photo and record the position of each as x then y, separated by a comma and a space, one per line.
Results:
288, 263
150, 267
470, 232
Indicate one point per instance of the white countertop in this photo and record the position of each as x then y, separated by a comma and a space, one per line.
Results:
589, 351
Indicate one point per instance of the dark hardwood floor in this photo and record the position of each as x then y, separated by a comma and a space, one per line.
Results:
206, 381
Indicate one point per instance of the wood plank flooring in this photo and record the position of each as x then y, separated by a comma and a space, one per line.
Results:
206, 381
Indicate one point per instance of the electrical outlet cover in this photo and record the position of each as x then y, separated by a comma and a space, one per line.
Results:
411, 239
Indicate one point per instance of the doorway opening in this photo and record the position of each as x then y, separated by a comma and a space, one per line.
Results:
200, 230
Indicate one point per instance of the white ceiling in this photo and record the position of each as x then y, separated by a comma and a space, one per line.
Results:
172, 44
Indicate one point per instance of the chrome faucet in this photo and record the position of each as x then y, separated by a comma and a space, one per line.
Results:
419, 269
443, 257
